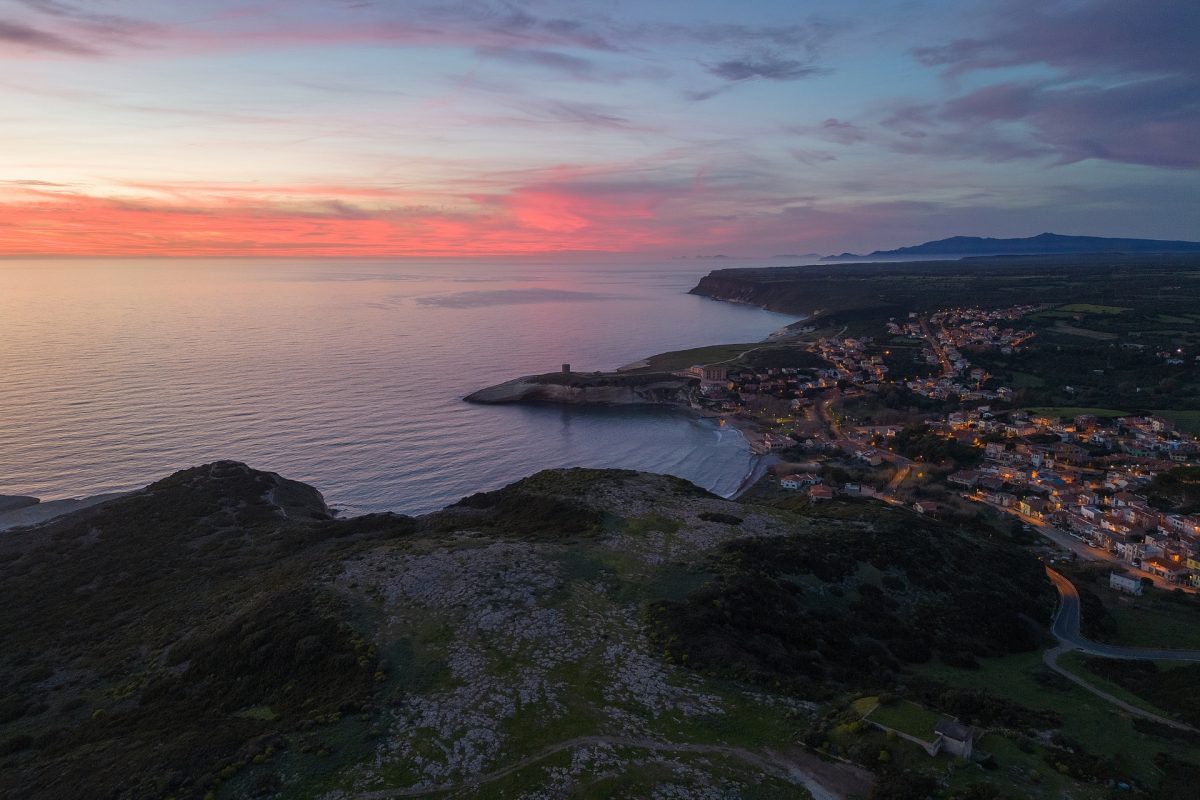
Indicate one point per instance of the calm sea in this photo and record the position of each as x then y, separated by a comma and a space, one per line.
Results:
344, 374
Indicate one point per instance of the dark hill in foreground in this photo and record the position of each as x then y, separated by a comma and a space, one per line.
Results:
219, 635
1042, 244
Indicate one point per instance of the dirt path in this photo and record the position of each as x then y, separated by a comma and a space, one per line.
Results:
825, 781
735, 358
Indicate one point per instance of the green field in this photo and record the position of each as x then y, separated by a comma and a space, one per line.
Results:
1069, 412
682, 359
1074, 663
1027, 380
1153, 620
1086, 333
907, 718
1187, 421
1091, 308
1098, 726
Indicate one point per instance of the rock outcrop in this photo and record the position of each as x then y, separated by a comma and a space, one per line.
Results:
600, 389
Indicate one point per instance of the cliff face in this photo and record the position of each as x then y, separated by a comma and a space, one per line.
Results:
748, 288
603, 390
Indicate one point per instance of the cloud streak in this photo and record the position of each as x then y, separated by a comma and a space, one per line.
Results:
492, 126
767, 66
1126, 86
29, 38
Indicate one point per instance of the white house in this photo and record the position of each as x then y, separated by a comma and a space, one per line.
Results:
1124, 582
798, 481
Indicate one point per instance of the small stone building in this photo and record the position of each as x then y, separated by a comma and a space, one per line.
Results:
955, 738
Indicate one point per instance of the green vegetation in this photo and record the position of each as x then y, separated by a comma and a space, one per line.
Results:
1086, 333
758, 356
1129, 747
180, 632
1106, 338
906, 717
1070, 412
1177, 489
219, 635
1078, 664
1185, 419
780, 356
1091, 308
846, 607
1177, 690
1158, 619
1084, 284
515, 511
920, 443
584, 380
682, 359
1023, 380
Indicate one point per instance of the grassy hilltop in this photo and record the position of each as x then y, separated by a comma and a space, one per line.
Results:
580, 633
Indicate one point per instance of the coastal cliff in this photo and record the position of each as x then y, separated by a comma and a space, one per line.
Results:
597, 388
754, 287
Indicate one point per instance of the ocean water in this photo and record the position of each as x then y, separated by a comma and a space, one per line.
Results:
344, 374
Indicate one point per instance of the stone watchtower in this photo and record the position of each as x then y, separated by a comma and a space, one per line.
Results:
566, 369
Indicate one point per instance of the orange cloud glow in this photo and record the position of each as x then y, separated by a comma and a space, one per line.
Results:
326, 221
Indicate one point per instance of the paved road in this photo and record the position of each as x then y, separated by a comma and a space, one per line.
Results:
947, 368
1080, 548
823, 405
1066, 629
899, 477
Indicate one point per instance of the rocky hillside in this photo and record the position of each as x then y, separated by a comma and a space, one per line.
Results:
574, 634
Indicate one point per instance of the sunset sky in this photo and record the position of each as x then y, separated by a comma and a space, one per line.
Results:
670, 127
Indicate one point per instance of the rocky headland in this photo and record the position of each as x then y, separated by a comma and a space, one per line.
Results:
593, 389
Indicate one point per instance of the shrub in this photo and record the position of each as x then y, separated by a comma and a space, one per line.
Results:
717, 516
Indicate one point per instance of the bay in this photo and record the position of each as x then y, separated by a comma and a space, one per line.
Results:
344, 374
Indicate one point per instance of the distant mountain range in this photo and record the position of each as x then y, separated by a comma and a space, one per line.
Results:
1042, 244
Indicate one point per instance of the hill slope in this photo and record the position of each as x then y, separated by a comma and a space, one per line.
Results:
217, 634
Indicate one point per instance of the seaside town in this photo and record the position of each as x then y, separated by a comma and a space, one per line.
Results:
1081, 480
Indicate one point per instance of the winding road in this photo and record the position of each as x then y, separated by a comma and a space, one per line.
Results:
1066, 629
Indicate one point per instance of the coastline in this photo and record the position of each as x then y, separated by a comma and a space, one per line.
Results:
543, 392
760, 466
38, 513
